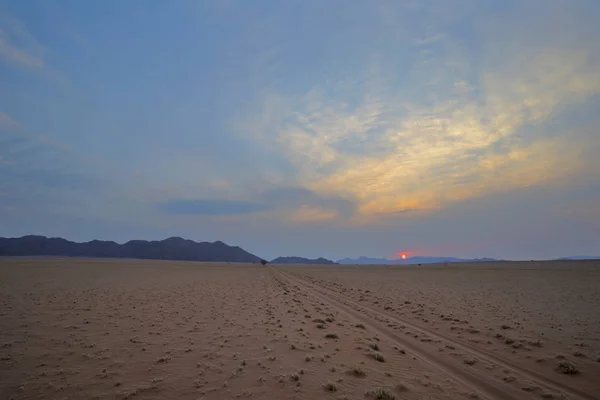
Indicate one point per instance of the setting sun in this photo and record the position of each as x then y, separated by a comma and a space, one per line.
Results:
403, 256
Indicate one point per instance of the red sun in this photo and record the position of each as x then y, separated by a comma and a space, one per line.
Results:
403, 256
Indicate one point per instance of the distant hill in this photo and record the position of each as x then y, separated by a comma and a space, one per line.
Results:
301, 260
174, 248
578, 258
410, 260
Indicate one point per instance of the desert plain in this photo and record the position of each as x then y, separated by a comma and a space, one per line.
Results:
142, 329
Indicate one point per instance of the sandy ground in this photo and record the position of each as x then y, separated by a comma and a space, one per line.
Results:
130, 329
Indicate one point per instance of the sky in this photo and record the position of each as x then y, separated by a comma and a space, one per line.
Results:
312, 128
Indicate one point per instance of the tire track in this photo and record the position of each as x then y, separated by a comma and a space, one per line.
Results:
530, 375
471, 377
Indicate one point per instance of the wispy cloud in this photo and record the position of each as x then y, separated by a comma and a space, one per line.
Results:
7, 124
17, 45
465, 134
209, 207
287, 203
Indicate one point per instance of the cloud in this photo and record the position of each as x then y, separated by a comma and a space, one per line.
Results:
297, 198
17, 45
209, 207
307, 213
7, 124
288, 203
459, 125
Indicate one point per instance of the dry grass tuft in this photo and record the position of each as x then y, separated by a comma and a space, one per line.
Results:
356, 371
401, 388
470, 361
377, 356
380, 394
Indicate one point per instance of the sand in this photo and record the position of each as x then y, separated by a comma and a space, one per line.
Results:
132, 329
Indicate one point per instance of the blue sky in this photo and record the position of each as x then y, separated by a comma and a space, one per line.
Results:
311, 128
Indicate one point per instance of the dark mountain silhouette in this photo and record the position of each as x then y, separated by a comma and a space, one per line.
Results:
174, 248
301, 260
411, 260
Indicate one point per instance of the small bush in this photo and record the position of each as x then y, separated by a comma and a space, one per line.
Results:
331, 336
356, 371
320, 326
330, 387
263, 262
567, 368
377, 356
361, 326
374, 346
470, 361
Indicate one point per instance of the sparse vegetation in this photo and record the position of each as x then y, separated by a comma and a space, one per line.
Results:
330, 387
360, 326
294, 377
401, 388
320, 326
470, 361
331, 336
374, 346
380, 394
377, 356
356, 371
567, 368
263, 262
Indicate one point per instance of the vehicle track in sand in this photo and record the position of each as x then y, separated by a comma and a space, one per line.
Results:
482, 376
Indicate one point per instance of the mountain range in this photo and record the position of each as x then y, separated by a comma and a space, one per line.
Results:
411, 260
434, 260
301, 260
174, 248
